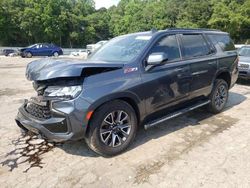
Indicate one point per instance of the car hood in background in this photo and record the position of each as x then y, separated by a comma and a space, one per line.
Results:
244, 59
22, 49
50, 68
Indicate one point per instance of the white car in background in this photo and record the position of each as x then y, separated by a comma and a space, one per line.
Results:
238, 46
83, 54
92, 47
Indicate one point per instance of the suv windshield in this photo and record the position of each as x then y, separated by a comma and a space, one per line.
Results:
122, 49
244, 51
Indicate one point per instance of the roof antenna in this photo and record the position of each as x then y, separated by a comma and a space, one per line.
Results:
153, 30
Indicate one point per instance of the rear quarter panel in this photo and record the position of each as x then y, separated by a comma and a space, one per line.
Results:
228, 62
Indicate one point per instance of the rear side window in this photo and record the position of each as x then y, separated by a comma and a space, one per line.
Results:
194, 45
168, 45
223, 42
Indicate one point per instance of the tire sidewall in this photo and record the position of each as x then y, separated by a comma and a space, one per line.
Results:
94, 137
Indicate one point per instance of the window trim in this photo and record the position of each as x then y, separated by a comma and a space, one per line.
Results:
157, 40
194, 57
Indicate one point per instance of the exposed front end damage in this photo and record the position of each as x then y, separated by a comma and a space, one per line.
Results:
58, 112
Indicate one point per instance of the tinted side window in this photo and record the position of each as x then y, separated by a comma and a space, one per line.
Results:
222, 41
168, 45
194, 45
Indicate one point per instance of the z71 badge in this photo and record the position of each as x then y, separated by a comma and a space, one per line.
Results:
132, 69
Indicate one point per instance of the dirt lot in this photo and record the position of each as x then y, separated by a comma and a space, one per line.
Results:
195, 150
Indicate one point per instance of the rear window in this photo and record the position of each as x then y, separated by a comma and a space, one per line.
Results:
222, 41
194, 45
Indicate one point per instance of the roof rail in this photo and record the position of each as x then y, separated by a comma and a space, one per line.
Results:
193, 29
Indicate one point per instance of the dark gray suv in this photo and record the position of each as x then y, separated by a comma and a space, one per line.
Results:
139, 79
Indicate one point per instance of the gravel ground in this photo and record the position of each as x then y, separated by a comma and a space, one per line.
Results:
196, 150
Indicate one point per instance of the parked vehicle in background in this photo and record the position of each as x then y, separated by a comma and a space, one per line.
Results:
13, 54
83, 54
6, 52
41, 49
238, 46
244, 62
140, 79
92, 47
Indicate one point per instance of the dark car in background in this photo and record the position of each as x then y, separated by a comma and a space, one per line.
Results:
244, 62
41, 49
140, 79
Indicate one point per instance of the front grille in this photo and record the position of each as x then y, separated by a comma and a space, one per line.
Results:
40, 111
243, 66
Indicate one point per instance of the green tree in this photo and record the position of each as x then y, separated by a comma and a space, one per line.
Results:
231, 16
75, 23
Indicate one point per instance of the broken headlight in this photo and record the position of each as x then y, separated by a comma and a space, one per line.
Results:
68, 92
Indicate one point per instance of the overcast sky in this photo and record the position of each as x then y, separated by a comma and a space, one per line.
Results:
105, 3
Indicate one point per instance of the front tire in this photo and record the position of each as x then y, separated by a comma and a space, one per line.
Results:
218, 96
55, 54
112, 128
28, 54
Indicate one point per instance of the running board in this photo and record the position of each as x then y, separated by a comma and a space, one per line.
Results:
175, 114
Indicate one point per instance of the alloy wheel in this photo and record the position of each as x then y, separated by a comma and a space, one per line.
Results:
221, 96
115, 128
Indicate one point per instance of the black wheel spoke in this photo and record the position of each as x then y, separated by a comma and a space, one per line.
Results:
125, 129
116, 141
109, 119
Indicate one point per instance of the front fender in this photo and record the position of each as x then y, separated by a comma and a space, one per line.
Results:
136, 101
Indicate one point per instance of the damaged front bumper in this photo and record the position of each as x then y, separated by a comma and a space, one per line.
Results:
56, 121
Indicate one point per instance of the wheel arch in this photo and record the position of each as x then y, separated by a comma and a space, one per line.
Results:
54, 51
128, 97
225, 75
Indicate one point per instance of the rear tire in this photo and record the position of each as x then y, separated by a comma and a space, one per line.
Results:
112, 128
218, 96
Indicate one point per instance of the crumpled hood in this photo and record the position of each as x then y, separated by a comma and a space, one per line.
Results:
244, 59
50, 68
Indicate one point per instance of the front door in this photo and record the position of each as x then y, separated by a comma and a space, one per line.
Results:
38, 50
46, 50
168, 82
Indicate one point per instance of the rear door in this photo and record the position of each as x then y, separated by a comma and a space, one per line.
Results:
168, 82
203, 63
